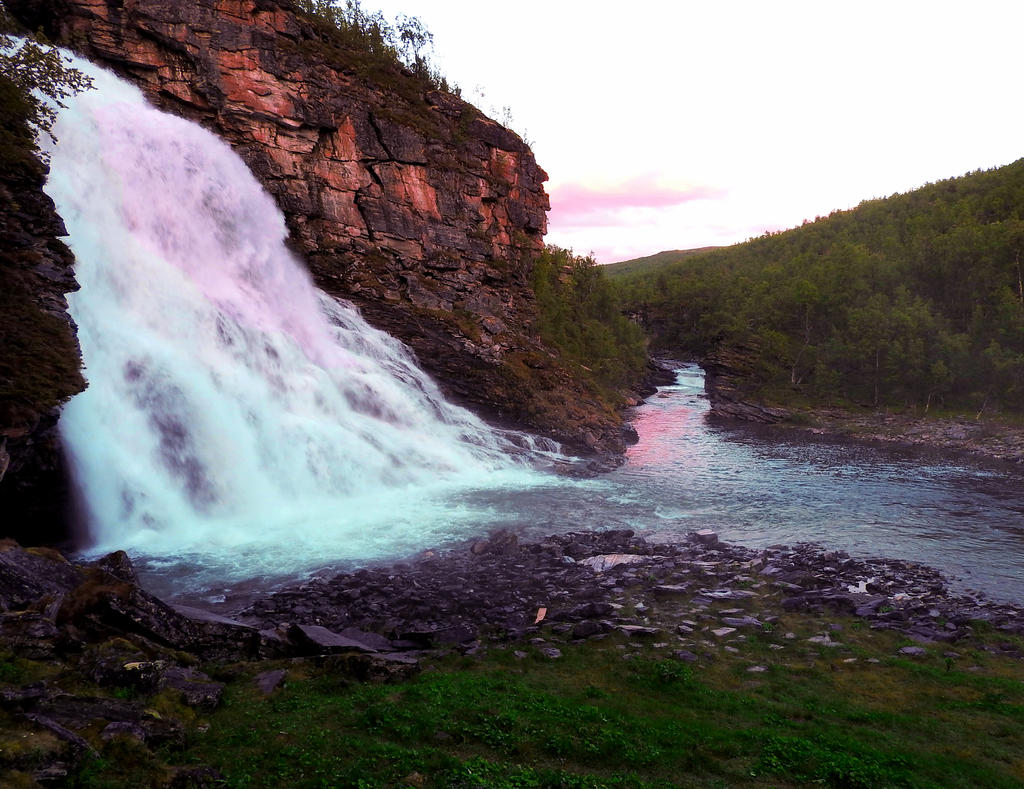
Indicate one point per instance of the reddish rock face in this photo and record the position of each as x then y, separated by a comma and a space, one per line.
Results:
405, 200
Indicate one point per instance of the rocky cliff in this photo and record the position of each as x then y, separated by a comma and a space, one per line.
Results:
39, 355
401, 198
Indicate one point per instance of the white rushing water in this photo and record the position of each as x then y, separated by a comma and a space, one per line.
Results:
234, 412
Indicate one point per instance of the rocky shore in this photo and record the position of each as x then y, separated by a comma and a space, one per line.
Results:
728, 376
982, 438
112, 661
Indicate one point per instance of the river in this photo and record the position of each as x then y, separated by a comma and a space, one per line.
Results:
752, 485
763, 486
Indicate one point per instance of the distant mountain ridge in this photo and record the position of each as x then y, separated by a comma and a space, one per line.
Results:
625, 267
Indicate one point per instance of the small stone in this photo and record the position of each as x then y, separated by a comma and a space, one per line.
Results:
757, 669
685, 655
745, 621
913, 651
269, 681
667, 590
722, 632
639, 630
551, 652
519, 653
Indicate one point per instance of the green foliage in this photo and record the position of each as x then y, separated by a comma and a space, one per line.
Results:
35, 79
406, 42
915, 300
595, 719
581, 317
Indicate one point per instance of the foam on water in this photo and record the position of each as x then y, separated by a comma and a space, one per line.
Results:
235, 414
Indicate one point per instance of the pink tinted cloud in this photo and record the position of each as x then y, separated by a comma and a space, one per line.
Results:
579, 205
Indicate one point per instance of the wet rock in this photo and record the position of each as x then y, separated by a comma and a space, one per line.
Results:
502, 543
119, 565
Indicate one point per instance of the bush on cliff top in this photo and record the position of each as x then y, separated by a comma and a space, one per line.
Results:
405, 43
36, 78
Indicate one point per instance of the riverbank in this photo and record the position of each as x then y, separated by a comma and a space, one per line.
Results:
94, 671
982, 436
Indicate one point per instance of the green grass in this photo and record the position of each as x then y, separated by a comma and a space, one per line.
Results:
594, 718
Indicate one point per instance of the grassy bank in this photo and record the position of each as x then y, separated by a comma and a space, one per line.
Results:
767, 709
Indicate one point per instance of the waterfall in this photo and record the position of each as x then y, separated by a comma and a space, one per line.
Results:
233, 410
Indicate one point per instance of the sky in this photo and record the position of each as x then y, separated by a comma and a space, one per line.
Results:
674, 125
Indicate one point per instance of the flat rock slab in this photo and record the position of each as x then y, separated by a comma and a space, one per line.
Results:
327, 640
667, 590
741, 621
639, 630
609, 560
824, 641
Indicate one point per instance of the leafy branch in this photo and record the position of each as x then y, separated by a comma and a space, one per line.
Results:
42, 77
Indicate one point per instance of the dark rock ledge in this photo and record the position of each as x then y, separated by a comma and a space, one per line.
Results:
110, 646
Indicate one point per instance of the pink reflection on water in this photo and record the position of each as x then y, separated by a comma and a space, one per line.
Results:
671, 430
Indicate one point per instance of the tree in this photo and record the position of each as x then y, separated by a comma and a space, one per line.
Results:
38, 77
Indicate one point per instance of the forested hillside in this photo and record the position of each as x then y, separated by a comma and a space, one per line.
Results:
912, 300
581, 317
626, 267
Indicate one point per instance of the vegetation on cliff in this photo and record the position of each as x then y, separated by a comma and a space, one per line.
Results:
912, 301
39, 363
382, 45
581, 317
35, 78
